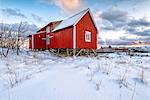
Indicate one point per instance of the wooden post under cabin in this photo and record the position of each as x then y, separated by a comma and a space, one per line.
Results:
67, 51
74, 52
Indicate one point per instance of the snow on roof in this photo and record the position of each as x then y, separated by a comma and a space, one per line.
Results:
71, 20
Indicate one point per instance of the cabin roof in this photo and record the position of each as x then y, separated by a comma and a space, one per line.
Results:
49, 24
71, 20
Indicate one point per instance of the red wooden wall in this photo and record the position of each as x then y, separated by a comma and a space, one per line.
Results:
62, 38
86, 24
30, 42
39, 43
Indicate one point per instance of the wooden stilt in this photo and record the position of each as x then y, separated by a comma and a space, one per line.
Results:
67, 51
94, 51
88, 52
58, 51
74, 52
79, 52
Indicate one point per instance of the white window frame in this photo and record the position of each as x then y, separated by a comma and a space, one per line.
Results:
48, 29
88, 36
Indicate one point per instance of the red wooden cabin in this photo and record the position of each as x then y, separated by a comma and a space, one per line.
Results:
38, 40
76, 32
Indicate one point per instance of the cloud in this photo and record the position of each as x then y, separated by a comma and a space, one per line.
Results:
135, 31
111, 19
114, 20
147, 39
145, 33
140, 27
118, 42
139, 22
131, 40
67, 5
98, 15
12, 12
36, 17
126, 41
115, 16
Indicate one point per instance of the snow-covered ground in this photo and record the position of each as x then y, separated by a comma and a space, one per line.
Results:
42, 76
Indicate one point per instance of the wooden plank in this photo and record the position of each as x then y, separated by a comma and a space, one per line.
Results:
58, 51
67, 51
79, 52
94, 51
74, 52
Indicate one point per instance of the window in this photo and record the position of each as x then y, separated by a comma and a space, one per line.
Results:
87, 36
48, 29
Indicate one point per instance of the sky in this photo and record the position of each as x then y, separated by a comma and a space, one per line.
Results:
118, 21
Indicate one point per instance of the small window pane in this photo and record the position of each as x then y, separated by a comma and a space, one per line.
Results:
87, 36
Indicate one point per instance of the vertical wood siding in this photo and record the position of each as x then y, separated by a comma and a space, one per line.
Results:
62, 38
39, 43
86, 24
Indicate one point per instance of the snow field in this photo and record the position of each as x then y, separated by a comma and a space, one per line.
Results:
41, 76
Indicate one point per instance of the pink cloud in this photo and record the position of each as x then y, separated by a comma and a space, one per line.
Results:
68, 5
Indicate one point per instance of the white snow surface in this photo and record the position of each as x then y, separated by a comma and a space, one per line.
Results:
70, 21
42, 76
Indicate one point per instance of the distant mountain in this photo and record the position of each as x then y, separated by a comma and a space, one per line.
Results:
31, 28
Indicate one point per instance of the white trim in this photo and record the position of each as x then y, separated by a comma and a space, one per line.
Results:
91, 17
74, 36
44, 39
41, 32
81, 17
32, 42
49, 37
85, 11
93, 20
48, 28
